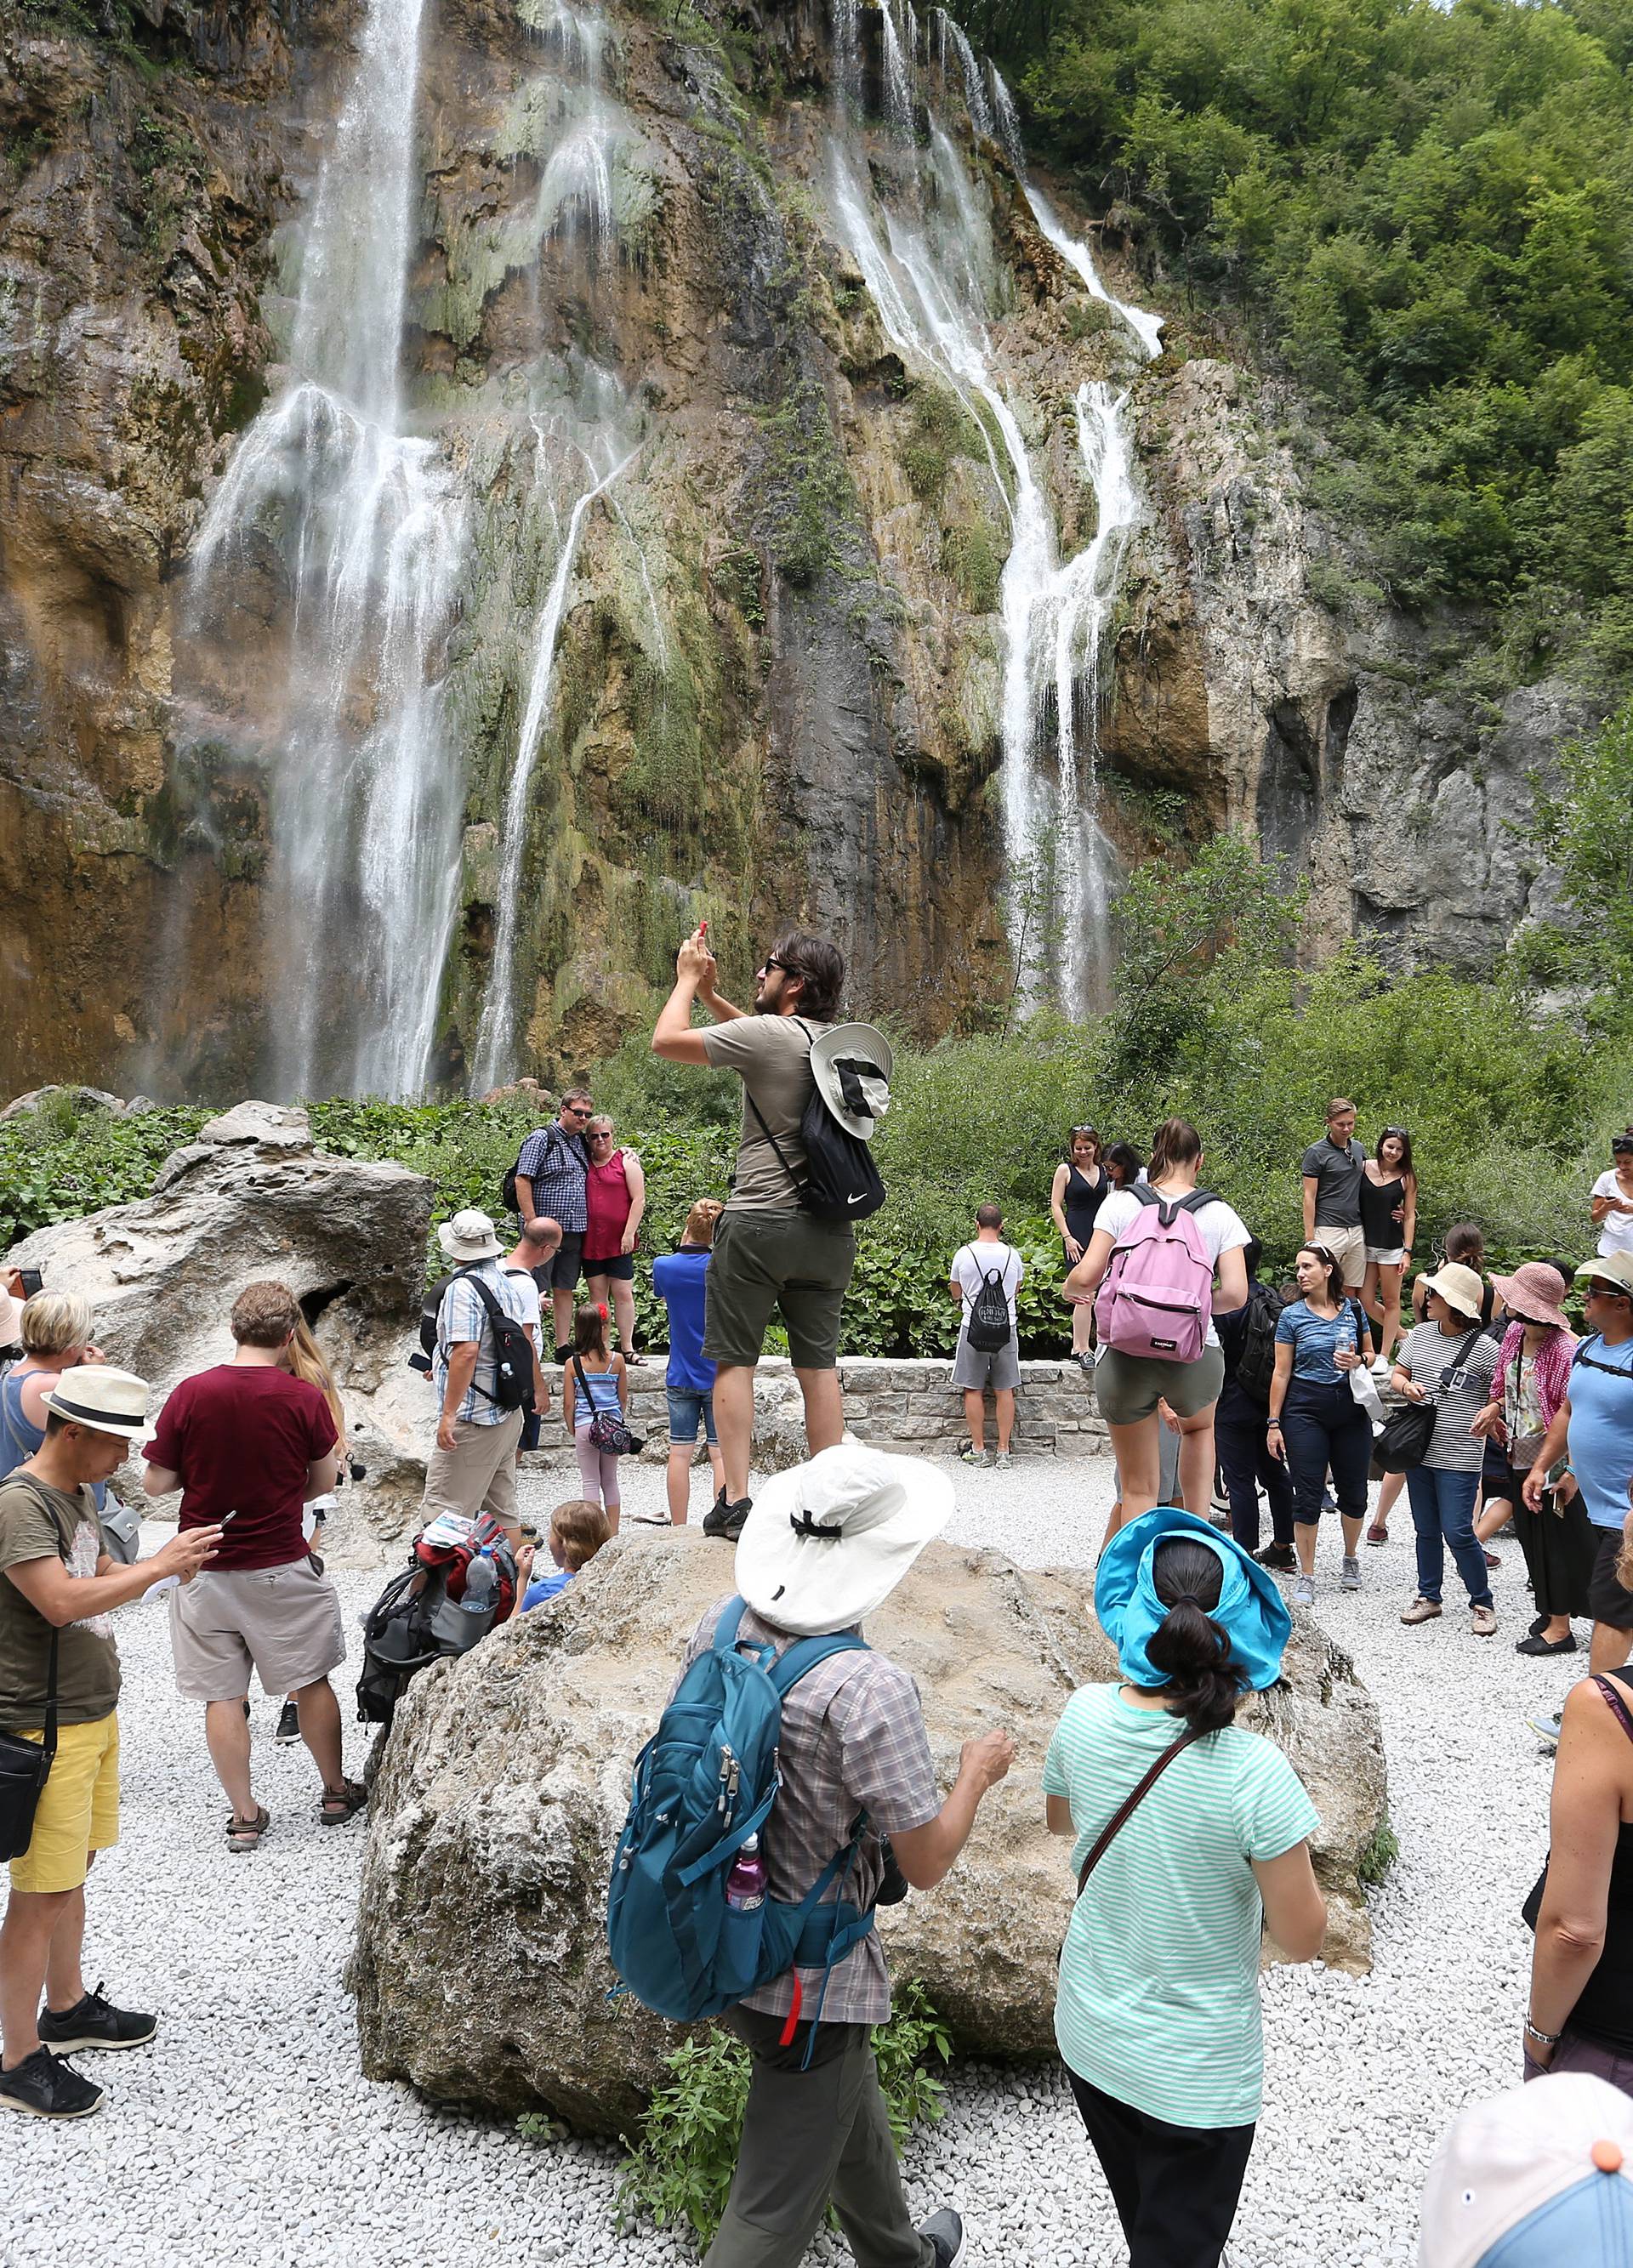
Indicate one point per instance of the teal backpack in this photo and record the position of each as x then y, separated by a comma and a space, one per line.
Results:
704, 1783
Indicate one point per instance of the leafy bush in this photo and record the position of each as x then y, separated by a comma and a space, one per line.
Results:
678, 2172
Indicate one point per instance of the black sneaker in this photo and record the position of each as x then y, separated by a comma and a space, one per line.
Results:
1537, 1643
726, 1520
288, 1723
94, 2022
945, 2232
1278, 1557
42, 2087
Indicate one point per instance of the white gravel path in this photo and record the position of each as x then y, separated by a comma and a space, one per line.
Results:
247, 2134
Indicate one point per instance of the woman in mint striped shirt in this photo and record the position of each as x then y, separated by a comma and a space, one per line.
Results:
1157, 2009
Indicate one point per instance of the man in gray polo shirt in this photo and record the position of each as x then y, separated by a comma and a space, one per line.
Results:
1332, 1170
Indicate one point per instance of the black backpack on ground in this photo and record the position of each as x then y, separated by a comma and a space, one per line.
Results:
1255, 1365
988, 1329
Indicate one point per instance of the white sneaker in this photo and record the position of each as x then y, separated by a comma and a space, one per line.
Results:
1002, 1461
1381, 1366
1304, 1590
1350, 1575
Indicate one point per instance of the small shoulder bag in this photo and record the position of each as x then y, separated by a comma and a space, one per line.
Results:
25, 1765
607, 1429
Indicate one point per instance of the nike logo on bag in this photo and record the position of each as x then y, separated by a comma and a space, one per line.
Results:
856, 1196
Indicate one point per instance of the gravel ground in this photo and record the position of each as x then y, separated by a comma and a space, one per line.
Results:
247, 2133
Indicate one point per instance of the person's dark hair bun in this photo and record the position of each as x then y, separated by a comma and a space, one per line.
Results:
1188, 1646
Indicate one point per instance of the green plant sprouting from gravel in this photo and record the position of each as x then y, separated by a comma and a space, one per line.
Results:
1378, 1854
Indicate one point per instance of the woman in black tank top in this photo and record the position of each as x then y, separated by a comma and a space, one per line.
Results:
1076, 1194
1388, 1188
1580, 2014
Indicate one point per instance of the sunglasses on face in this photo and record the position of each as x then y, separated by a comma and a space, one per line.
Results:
574, 1112
769, 962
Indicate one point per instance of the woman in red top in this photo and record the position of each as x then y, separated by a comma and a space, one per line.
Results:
616, 1198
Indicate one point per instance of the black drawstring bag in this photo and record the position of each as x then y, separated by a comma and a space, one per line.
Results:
25, 1767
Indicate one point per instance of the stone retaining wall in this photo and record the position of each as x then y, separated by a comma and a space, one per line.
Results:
910, 1406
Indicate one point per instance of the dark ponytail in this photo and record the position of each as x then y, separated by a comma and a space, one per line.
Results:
1187, 1646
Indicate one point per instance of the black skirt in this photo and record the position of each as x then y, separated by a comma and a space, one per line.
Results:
1560, 1548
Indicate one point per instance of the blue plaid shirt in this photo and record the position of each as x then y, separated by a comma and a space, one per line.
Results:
462, 1316
558, 1165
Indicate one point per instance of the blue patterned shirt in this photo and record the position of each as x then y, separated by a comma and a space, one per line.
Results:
558, 1165
462, 1316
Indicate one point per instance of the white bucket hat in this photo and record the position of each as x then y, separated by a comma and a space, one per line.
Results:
828, 1541
1459, 1287
108, 1401
468, 1236
852, 1065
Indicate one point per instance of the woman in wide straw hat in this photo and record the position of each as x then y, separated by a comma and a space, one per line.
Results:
1532, 1379
1448, 1361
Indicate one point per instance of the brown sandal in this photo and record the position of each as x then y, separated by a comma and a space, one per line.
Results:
342, 1803
245, 1834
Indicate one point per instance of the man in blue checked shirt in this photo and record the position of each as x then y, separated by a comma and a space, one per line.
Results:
473, 1466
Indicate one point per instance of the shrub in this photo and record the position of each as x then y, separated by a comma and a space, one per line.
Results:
678, 2171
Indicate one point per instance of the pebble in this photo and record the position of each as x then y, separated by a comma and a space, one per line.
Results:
247, 2132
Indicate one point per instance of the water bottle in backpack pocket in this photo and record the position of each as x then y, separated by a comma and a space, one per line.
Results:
1157, 1298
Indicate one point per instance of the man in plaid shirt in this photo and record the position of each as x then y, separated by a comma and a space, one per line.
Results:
553, 1171
824, 1545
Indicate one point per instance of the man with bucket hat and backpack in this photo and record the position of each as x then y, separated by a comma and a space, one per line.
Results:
819, 1746
813, 1092
59, 1731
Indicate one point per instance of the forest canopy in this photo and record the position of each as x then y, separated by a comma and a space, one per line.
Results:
1424, 214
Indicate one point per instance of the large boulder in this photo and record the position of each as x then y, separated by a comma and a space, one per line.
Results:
480, 1967
250, 1198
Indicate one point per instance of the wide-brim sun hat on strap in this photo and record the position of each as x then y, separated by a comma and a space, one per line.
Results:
108, 1401
10, 1319
1534, 1294
828, 1541
852, 1065
1611, 1267
470, 1235
1459, 1287
1540, 2176
1250, 1608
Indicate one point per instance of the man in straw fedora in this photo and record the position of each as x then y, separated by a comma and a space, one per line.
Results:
825, 1544
56, 1643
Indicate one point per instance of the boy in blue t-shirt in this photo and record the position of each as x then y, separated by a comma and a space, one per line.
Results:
679, 1278
577, 1532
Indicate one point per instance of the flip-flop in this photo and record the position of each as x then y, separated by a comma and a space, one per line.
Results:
245, 1834
1376, 1535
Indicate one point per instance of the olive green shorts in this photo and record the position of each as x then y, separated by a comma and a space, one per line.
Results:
776, 1263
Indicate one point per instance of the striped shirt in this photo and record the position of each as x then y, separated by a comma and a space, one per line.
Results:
1158, 1997
462, 1316
853, 1740
556, 1164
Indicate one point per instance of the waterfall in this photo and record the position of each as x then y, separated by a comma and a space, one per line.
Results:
365, 791
924, 248
496, 1034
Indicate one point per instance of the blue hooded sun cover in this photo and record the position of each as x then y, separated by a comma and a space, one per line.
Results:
1250, 1608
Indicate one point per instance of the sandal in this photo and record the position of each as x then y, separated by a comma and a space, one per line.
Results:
1378, 1533
245, 1834
342, 1803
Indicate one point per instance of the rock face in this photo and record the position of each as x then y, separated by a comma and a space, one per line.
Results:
480, 1968
248, 1199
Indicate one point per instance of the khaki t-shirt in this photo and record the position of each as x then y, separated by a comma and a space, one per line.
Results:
772, 1056
87, 1660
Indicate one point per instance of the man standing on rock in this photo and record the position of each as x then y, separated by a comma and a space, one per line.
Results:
552, 1178
250, 1447
1333, 1171
769, 1254
58, 1588
827, 1544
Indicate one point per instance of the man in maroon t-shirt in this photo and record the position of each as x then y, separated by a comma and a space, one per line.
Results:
248, 1446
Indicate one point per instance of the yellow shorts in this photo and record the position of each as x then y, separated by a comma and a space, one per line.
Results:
78, 1807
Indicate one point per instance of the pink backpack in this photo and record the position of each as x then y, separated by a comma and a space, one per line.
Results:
1156, 1297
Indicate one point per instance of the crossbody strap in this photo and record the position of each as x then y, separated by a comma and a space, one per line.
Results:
49, 1744
1130, 1804
771, 1138
1457, 1358
1616, 1703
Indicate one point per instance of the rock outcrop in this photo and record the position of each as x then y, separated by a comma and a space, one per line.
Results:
250, 1198
480, 1967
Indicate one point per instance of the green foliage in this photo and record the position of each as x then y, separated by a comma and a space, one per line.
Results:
973, 555
1426, 211
1378, 1854
678, 2172
1584, 822
57, 1163
941, 430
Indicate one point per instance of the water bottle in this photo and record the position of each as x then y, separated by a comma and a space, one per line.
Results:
480, 1582
1344, 1340
745, 1885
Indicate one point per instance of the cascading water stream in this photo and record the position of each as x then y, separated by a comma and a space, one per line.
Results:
927, 254
365, 789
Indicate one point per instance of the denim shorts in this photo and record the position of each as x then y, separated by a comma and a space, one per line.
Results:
685, 1409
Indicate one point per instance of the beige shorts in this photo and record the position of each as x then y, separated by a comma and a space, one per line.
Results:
1347, 1247
478, 1474
283, 1622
